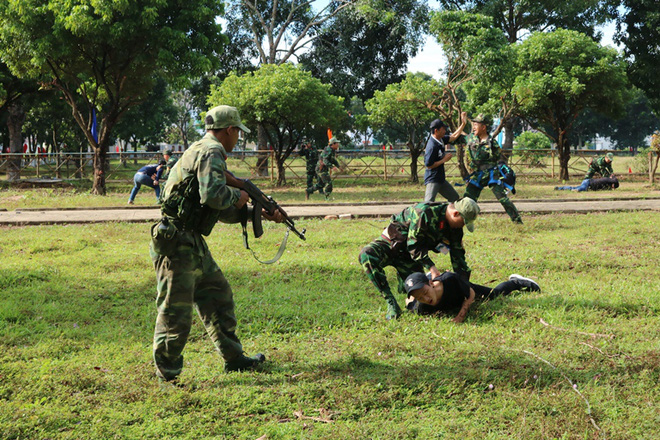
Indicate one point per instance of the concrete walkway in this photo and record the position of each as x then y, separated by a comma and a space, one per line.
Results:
21, 217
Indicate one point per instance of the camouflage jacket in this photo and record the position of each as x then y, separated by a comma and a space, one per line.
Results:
423, 227
327, 159
204, 160
484, 154
311, 155
601, 166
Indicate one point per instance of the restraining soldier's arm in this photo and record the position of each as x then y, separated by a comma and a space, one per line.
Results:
417, 241
457, 254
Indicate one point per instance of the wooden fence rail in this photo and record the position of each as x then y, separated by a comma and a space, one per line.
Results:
355, 164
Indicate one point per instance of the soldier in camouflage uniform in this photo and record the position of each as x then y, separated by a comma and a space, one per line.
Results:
485, 153
195, 198
311, 155
167, 155
325, 163
409, 237
601, 165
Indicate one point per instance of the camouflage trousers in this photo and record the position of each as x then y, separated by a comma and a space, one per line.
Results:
323, 183
472, 191
311, 175
190, 277
377, 255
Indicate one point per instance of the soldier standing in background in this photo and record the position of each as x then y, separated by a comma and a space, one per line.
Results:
311, 155
195, 197
406, 242
485, 153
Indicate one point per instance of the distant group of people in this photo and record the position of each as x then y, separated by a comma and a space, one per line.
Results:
318, 167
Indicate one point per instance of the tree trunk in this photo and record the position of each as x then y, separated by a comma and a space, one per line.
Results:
262, 144
98, 185
508, 136
414, 155
460, 157
15, 127
564, 149
281, 171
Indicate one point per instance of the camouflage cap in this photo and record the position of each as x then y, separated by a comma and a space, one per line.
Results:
333, 140
167, 153
483, 119
415, 281
224, 116
469, 210
610, 156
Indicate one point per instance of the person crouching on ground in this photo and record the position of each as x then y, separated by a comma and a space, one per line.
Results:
150, 176
405, 244
428, 295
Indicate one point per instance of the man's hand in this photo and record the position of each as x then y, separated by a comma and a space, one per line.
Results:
155, 183
463, 117
242, 200
447, 157
434, 272
277, 217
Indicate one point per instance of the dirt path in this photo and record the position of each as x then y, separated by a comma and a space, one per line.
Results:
144, 214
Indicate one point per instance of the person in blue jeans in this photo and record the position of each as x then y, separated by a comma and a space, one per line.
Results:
593, 185
148, 175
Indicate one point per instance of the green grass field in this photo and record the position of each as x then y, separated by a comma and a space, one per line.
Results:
77, 313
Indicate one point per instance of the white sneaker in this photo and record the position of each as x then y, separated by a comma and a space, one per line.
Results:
525, 282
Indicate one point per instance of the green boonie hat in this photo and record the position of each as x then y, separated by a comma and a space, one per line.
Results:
483, 119
333, 140
224, 116
167, 153
610, 156
469, 210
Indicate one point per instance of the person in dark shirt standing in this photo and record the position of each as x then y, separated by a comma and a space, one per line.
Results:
150, 176
435, 157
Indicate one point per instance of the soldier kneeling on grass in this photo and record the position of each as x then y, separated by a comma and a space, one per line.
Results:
447, 293
406, 242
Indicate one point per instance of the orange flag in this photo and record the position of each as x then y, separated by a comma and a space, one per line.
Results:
329, 134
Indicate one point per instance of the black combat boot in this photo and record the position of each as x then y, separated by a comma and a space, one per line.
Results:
243, 363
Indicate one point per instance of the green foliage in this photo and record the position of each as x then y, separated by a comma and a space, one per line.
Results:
562, 73
639, 31
366, 47
103, 54
403, 107
531, 140
76, 350
286, 101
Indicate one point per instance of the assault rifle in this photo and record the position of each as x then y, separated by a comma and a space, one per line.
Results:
262, 201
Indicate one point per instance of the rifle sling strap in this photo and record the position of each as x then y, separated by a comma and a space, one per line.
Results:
280, 251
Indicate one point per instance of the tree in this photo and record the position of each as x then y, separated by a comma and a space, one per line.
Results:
286, 101
404, 104
147, 122
12, 89
519, 18
359, 53
102, 54
639, 30
630, 130
561, 74
478, 61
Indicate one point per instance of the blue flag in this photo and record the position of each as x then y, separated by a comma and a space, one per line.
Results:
95, 129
